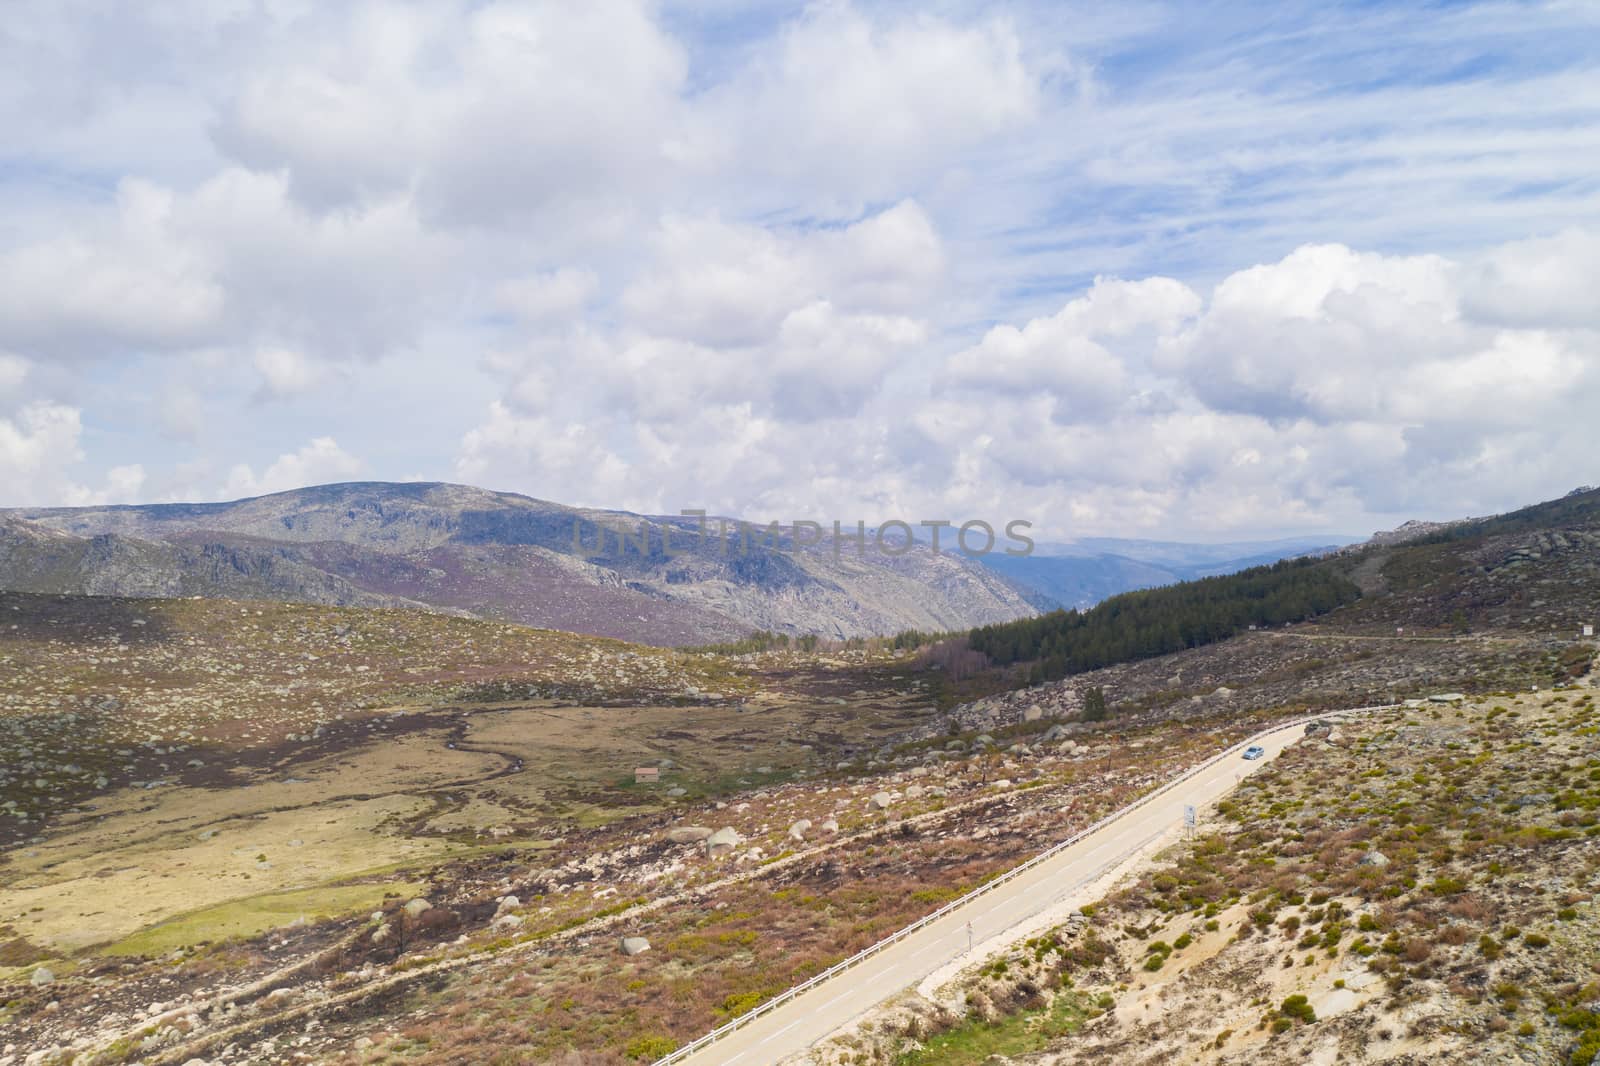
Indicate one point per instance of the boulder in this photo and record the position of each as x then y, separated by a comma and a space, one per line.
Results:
688, 834
722, 841
798, 830
829, 826
1374, 858
880, 801
635, 945
41, 977
416, 907
1033, 713
915, 792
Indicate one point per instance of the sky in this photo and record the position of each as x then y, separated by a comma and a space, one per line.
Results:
1186, 271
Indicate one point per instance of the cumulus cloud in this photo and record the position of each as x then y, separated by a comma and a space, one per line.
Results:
490, 112
553, 296
1546, 281
285, 372
1328, 376
860, 108
1116, 272
319, 461
39, 452
1062, 355
13, 372
129, 282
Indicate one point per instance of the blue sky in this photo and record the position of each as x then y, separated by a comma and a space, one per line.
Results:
1154, 270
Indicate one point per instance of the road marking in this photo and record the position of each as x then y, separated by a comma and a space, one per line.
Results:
780, 1032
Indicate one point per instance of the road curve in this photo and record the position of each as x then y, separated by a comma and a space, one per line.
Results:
834, 1004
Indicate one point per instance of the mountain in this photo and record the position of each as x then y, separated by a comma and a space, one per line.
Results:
1083, 572
1533, 570
500, 555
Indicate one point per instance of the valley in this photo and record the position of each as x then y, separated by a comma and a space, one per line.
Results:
249, 831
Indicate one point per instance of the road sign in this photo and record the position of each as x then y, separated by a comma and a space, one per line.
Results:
1188, 816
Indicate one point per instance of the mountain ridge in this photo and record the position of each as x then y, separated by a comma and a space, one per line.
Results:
463, 549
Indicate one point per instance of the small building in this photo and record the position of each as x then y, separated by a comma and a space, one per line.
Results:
646, 775
1588, 629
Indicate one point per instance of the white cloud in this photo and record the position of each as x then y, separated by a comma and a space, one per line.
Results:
570, 463
39, 449
554, 296
1546, 281
838, 255
491, 112
134, 284
35, 446
1063, 356
285, 372
13, 372
859, 109
318, 462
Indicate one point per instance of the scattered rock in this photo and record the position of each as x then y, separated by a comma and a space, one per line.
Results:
635, 945
723, 841
41, 977
416, 907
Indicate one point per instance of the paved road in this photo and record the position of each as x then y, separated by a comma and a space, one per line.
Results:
834, 1004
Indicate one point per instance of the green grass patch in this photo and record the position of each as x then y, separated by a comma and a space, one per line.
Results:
974, 1041
256, 914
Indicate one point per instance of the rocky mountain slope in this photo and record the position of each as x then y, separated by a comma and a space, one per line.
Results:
499, 555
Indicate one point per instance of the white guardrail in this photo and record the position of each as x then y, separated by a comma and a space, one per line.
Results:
866, 953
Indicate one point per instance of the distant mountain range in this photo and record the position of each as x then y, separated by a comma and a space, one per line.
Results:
498, 555
1083, 572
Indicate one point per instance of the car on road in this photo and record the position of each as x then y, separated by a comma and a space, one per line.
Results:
1254, 751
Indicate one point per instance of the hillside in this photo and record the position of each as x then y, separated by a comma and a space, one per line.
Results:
496, 555
1415, 885
1534, 571
359, 833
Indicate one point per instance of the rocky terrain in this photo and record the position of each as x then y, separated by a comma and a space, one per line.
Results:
1412, 886
497, 555
258, 832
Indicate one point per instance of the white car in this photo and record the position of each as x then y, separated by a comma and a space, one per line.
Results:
1254, 751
